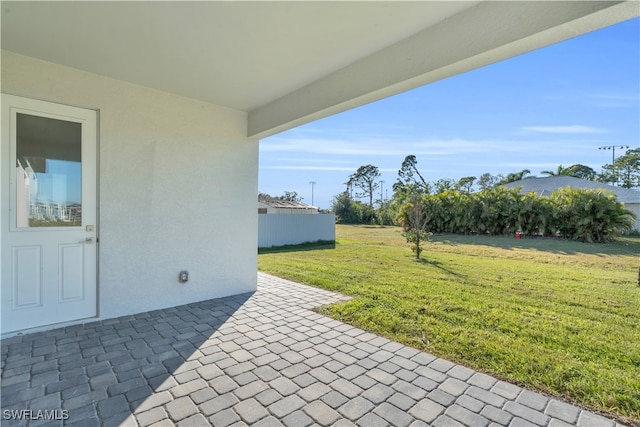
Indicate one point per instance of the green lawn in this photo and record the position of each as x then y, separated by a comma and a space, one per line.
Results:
558, 316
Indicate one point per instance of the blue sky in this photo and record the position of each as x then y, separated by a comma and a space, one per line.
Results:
552, 106
62, 183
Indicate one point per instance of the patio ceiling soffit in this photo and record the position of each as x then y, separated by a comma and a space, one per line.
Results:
484, 34
289, 63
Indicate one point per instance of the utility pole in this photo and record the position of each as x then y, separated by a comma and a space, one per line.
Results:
312, 184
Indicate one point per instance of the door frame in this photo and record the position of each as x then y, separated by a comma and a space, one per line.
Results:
8, 212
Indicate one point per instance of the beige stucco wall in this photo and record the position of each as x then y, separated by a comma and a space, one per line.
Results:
177, 188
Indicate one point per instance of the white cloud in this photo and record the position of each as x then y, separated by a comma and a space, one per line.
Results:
309, 168
571, 129
399, 146
614, 100
322, 168
316, 160
438, 157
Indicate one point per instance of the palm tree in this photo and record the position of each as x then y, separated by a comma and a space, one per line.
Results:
577, 171
515, 176
561, 170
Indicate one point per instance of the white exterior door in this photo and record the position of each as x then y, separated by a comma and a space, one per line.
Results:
48, 216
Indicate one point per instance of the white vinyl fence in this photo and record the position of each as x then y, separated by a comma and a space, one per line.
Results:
282, 229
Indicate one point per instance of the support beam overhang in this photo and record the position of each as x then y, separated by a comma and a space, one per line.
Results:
487, 33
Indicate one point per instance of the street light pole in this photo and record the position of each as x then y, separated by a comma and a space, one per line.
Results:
312, 184
613, 149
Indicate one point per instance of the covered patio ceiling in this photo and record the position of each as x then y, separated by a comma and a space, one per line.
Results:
287, 63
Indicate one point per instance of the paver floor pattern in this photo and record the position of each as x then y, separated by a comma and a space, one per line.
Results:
260, 359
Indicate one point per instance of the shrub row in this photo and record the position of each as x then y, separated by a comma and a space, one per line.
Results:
585, 215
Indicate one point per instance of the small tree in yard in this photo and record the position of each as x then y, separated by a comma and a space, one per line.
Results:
414, 217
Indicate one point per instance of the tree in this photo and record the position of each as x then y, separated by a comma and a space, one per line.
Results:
576, 171
386, 213
561, 170
487, 181
344, 208
409, 177
608, 175
628, 168
443, 184
349, 211
290, 196
466, 183
514, 176
582, 171
365, 179
414, 218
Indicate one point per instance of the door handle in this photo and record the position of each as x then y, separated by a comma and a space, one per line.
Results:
88, 240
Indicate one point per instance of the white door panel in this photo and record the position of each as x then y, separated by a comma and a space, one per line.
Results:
48, 217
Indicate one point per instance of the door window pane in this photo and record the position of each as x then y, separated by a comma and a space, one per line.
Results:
48, 172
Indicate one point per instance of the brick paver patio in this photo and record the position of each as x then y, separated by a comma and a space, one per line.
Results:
262, 359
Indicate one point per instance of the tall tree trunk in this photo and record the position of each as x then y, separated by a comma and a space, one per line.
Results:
371, 196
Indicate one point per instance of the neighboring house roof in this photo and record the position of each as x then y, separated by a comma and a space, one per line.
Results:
285, 204
544, 186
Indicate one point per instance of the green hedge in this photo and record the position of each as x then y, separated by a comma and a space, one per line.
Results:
585, 215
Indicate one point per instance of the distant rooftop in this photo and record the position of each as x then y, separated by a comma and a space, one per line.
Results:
288, 204
544, 186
